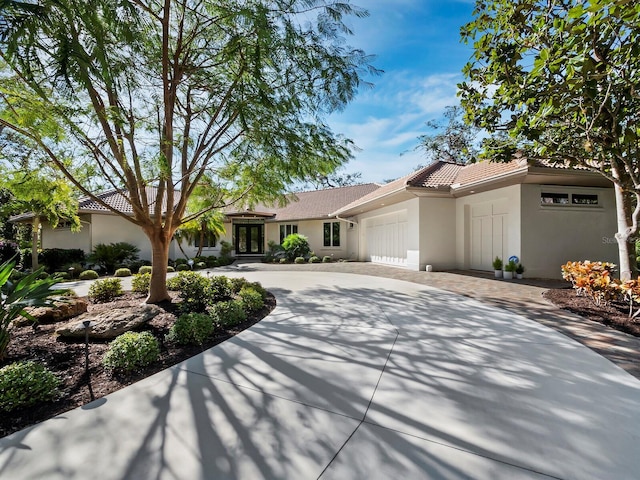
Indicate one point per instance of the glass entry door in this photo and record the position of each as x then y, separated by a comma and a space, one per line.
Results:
249, 239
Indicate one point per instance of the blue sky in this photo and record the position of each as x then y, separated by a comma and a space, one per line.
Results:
417, 44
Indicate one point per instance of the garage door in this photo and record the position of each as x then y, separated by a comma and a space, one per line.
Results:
488, 234
386, 239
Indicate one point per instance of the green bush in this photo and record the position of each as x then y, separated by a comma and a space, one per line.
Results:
105, 290
74, 269
236, 284
225, 249
193, 289
183, 267
8, 250
122, 272
109, 256
283, 260
299, 260
225, 260
88, 275
227, 314
173, 283
251, 299
180, 261
62, 275
43, 276
170, 269
140, 282
314, 259
130, 351
212, 261
219, 289
23, 384
200, 265
326, 259
55, 258
257, 286
296, 245
144, 269
191, 329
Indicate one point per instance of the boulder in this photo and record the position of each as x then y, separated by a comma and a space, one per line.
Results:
61, 310
109, 324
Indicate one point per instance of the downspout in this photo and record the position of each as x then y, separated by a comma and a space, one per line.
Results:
355, 223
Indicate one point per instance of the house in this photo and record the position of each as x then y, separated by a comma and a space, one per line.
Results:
461, 217
445, 215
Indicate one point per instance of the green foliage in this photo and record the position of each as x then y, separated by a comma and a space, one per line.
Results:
251, 299
74, 269
183, 267
257, 286
194, 291
225, 248
105, 290
140, 282
54, 259
62, 275
520, 269
283, 260
497, 263
18, 294
180, 261
326, 259
296, 245
174, 283
131, 351
227, 314
219, 289
191, 329
108, 256
170, 269
8, 250
510, 266
314, 259
236, 284
299, 260
88, 275
24, 384
212, 261
122, 272
200, 265
145, 269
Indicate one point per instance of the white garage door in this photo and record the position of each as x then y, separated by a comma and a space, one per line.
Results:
386, 239
488, 234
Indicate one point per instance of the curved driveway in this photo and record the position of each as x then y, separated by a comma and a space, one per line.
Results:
357, 377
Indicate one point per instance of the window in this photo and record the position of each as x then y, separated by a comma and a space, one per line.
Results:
332, 234
584, 199
209, 241
554, 198
286, 230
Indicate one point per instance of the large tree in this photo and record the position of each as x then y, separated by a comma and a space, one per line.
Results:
160, 93
563, 76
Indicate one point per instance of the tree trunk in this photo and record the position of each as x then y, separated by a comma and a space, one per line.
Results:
159, 259
625, 236
35, 241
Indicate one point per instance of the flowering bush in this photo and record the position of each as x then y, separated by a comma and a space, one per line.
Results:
592, 279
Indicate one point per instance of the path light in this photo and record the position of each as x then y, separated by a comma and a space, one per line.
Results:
190, 262
71, 270
87, 325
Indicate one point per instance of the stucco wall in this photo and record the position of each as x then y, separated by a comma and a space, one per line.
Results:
112, 228
508, 199
314, 231
555, 234
437, 233
65, 238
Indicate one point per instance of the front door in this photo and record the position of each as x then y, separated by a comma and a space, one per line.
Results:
249, 239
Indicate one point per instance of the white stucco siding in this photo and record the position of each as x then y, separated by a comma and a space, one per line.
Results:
488, 225
314, 231
112, 228
437, 233
555, 234
65, 238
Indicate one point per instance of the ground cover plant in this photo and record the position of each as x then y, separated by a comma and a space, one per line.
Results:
170, 337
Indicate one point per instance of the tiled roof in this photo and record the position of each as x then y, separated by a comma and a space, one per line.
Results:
118, 201
312, 204
476, 172
435, 175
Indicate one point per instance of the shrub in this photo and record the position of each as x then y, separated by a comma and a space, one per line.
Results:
130, 351
183, 267
180, 261
227, 314
236, 284
314, 259
225, 249
105, 290
296, 245
140, 282
55, 258
122, 272
257, 286
173, 283
592, 279
212, 261
27, 291
326, 259
191, 329
225, 260
251, 299
219, 289
170, 269
299, 260
497, 263
23, 384
88, 275
43, 276
193, 289
62, 275
283, 260
145, 269
108, 256
200, 265
8, 250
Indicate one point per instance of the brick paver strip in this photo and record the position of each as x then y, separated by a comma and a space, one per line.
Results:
523, 297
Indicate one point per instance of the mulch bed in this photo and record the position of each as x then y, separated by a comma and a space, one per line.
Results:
615, 315
67, 359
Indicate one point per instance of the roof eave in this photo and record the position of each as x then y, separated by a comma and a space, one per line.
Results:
508, 178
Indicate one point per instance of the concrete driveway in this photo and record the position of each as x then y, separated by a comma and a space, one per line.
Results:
357, 377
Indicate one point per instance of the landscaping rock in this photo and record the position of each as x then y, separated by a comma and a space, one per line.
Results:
110, 324
61, 310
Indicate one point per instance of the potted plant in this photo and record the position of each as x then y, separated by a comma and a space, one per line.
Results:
497, 267
519, 271
509, 269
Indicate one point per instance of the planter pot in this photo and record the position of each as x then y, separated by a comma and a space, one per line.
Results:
507, 275
498, 273
519, 276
